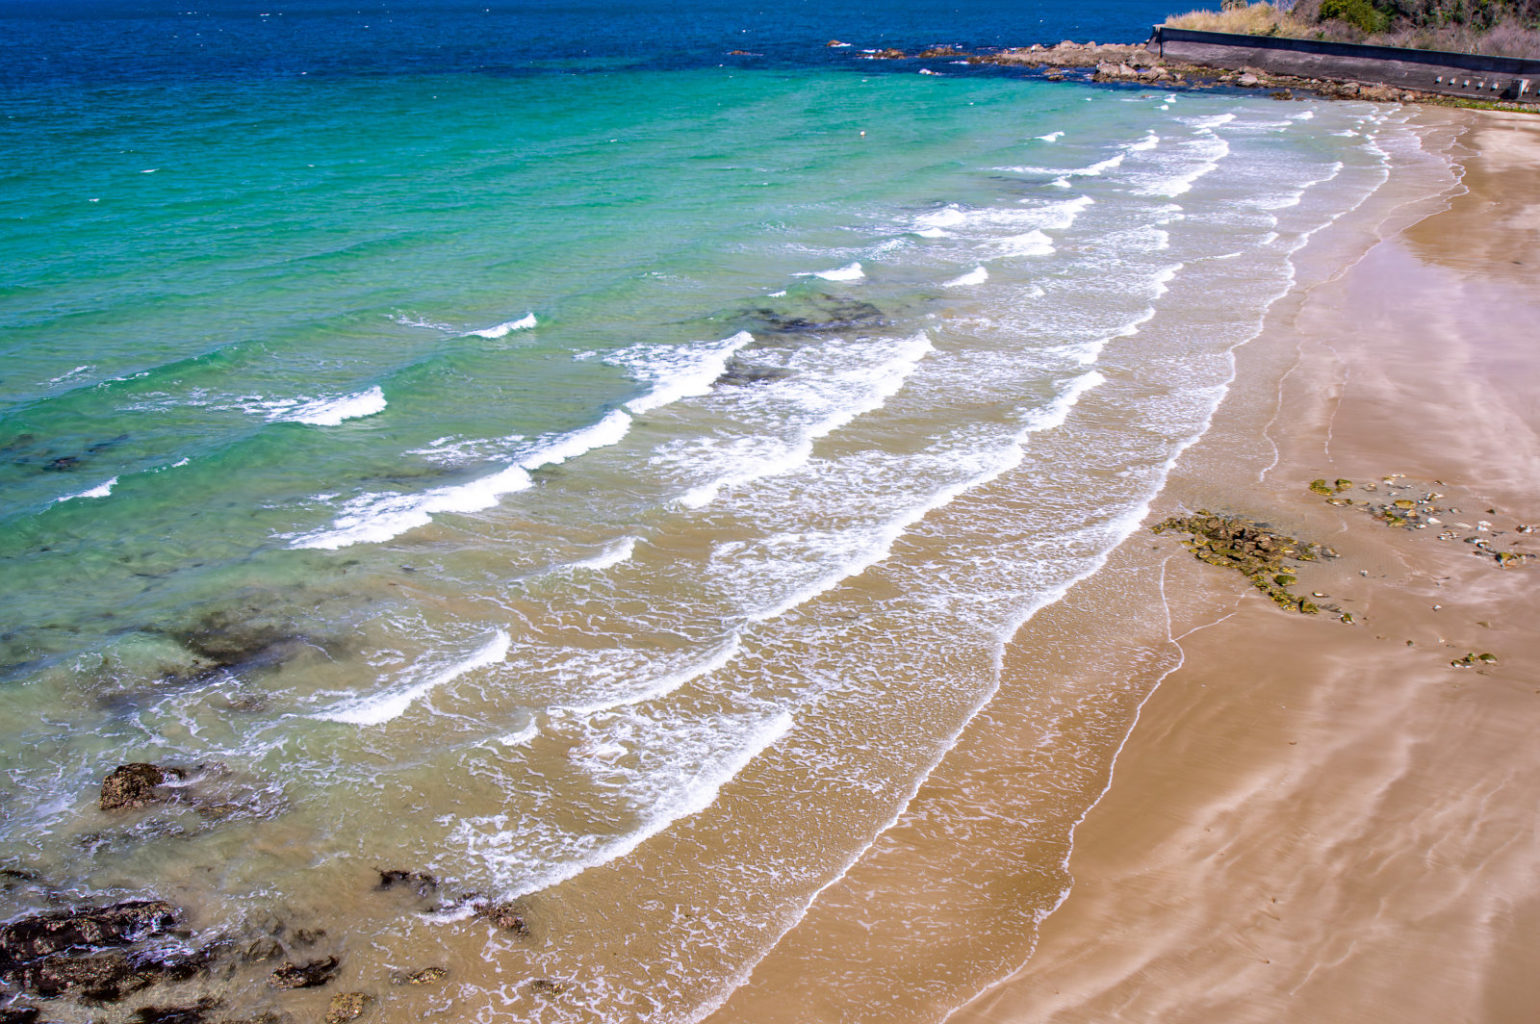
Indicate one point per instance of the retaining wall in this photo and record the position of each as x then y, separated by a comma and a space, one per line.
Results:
1436, 71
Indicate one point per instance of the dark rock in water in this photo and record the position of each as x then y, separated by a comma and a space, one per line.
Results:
547, 987
424, 885
740, 374
137, 785
260, 949
507, 916
106, 977
120, 924
195, 1014
19, 1015
829, 313
309, 936
307, 975
346, 1006
63, 464
426, 976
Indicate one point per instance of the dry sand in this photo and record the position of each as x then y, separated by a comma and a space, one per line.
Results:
1315, 821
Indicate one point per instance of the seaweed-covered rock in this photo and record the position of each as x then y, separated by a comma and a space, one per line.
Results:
738, 373
104, 977
507, 916
419, 883
1252, 549
19, 1014
138, 785
195, 1014
346, 1006
90, 928
307, 975
426, 976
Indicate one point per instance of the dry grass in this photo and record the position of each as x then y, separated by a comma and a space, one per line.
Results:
1261, 19
1509, 38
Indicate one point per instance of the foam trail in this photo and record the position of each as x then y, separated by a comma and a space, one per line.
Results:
978, 275
380, 709
1033, 243
877, 544
890, 379
99, 491
1051, 137
606, 432
523, 323
701, 792
696, 375
612, 555
667, 684
329, 412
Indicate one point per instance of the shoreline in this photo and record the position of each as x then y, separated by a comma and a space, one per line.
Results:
1290, 829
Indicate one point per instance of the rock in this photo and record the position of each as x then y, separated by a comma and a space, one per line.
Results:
1248, 81
507, 916
307, 975
91, 928
195, 1014
738, 373
138, 785
426, 976
835, 43
106, 977
889, 54
1141, 58
547, 987
346, 1006
19, 1015
941, 51
424, 885
260, 949
63, 464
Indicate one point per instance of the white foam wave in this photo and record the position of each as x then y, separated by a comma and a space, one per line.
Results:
61, 378
329, 412
1209, 151
99, 491
1032, 243
372, 518
677, 373
977, 275
1150, 141
1051, 137
1063, 173
870, 387
849, 272
523, 323
526, 856
667, 683
612, 555
377, 710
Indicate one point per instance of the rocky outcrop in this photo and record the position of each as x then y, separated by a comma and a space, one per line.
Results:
121, 924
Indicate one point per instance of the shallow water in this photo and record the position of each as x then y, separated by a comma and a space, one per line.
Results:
608, 489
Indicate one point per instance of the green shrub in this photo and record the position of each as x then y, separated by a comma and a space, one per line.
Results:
1361, 14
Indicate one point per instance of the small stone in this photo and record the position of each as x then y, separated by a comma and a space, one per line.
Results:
1248, 80
507, 916
426, 976
547, 987
1490, 659
346, 1006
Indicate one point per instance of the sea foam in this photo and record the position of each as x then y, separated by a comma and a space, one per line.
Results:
523, 323
381, 708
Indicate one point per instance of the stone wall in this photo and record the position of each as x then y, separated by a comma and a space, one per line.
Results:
1435, 71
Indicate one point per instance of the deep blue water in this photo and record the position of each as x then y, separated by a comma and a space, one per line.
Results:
115, 41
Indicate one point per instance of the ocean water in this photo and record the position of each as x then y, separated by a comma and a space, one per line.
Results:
530, 445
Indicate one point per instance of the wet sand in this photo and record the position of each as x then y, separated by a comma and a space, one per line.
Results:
1320, 821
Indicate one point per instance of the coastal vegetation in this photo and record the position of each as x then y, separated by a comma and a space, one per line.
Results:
1509, 28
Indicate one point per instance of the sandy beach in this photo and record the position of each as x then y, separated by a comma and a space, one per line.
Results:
1319, 821
1291, 817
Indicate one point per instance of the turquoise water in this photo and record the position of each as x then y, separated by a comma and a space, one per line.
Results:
536, 473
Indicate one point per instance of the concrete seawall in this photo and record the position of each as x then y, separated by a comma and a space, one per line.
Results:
1435, 71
